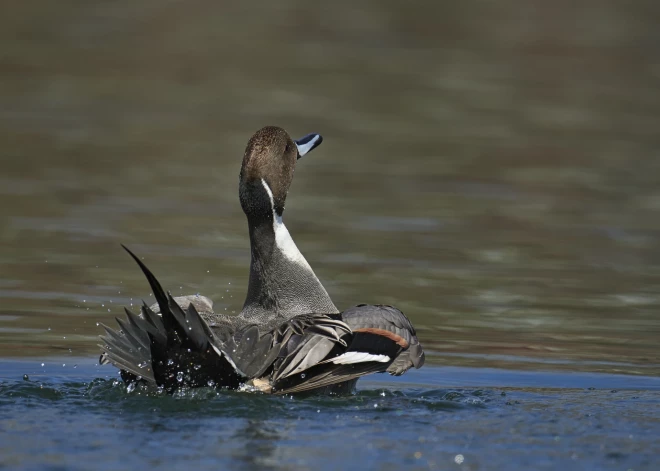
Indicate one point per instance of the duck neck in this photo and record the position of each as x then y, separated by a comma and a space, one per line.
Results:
281, 282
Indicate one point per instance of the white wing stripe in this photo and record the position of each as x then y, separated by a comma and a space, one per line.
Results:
359, 357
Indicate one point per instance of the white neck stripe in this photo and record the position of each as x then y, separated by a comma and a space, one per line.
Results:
283, 239
270, 193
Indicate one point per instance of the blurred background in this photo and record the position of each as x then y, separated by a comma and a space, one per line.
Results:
491, 168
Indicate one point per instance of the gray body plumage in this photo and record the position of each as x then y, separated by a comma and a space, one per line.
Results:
279, 288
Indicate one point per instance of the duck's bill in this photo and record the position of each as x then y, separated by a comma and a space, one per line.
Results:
308, 143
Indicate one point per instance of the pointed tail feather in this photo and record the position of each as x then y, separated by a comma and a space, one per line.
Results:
153, 282
174, 349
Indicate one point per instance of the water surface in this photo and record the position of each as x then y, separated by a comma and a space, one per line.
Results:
445, 417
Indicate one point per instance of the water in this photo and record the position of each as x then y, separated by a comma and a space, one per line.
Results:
489, 168
443, 417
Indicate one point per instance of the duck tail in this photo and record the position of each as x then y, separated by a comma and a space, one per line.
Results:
174, 349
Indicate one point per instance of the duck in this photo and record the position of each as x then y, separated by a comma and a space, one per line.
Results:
289, 337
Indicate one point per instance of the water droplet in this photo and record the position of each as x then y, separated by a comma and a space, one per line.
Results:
75, 366
302, 375
43, 364
179, 376
98, 323
142, 365
84, 300
130, 388
102, 305
63, 364
197, 367
48, 328
26, 378
211, 383
375, 405
170, 362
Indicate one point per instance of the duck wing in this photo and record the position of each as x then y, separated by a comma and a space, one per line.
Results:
176, 348
314, 351
380, 326
293, 346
